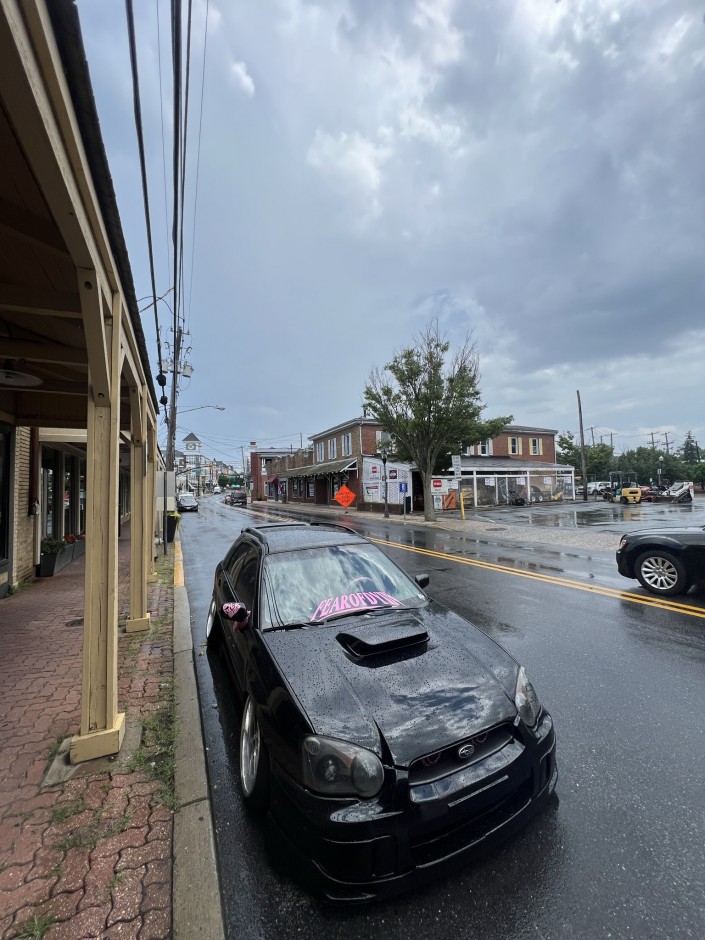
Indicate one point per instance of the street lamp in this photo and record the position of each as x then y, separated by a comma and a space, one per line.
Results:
660, 467
384, 475
199, 407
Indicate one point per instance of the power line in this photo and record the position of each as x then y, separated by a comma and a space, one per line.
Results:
143, 167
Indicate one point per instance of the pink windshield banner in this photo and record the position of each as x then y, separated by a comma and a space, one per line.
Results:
361, 600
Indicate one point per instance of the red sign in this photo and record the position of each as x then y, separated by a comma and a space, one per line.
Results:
344, 496
374, 469
437, 484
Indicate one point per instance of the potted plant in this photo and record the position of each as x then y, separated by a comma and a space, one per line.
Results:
79, 545
172, 520
55, 555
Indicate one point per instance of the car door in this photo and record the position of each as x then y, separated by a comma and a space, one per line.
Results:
226, 579
242, 584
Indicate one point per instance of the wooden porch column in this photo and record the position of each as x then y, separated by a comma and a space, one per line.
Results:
102, 728
139, 615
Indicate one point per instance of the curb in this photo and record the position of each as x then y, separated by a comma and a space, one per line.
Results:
196, 901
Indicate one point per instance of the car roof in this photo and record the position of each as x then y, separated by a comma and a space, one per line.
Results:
294, 536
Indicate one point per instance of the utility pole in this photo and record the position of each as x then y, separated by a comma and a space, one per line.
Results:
583, 460
665, 434
653, 442
591, 430
171, 439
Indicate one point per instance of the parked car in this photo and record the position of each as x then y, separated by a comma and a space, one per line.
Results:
216, 491
238, 498
389, 738
598, 487
665, 561
187, 502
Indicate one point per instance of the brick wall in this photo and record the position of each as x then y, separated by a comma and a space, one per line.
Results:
501, 447
23, 525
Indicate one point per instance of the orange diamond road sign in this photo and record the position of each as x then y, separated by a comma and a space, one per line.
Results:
344, 496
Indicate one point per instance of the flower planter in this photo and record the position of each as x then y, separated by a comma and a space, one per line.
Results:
79, 548
52, 564
171, 524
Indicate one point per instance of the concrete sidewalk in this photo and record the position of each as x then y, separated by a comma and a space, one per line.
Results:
108, 848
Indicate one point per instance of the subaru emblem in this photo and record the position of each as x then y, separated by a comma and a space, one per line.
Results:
467, 750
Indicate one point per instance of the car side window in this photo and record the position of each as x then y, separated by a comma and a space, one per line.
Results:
232, 567
246, 584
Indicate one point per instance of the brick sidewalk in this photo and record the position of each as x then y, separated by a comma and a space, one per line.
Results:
90, 857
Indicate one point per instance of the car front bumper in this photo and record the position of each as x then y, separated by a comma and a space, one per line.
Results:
624, 567
359, 850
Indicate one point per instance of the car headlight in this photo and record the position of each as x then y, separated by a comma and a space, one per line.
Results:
526, 700
336, 768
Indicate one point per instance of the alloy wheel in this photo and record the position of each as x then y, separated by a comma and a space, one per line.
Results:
250, 746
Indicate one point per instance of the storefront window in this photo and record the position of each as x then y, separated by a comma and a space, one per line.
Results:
68, 472
48, 488
82, 496
4, 492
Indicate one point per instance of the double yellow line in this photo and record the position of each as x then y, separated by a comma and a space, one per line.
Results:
663, 603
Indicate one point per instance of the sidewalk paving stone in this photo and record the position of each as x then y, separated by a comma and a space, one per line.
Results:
89, 854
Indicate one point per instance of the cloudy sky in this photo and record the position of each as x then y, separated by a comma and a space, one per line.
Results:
529, 170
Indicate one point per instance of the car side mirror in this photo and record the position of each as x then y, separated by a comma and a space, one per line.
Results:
422, 580
238, 614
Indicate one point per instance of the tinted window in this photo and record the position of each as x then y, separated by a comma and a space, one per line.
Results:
232, 565
246, 584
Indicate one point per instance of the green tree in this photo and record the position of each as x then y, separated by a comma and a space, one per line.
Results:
690, 452
645, 464
429, 402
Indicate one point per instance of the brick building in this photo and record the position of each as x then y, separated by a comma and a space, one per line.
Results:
520, 459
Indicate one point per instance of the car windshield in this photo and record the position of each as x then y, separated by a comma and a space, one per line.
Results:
314, 585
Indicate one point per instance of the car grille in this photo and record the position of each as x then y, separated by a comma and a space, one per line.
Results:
442, 763
442, 843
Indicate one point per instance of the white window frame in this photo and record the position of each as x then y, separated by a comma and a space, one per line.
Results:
536, 446
346, 447
514, 446
319, 452
332, 448
484, 448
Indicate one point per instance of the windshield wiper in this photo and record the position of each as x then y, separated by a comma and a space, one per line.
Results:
298, 625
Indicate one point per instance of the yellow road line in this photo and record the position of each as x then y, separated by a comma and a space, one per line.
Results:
662, 603
178, 564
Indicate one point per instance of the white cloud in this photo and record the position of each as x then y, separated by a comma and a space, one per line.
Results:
444, 43
354, 163
243, 78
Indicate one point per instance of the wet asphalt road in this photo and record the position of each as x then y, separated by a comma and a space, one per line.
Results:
618, 854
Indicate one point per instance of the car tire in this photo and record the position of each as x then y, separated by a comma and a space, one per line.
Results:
623, 500
661, 573
254, 760
212, 625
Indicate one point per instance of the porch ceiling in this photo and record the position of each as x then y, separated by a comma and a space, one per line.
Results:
48, 332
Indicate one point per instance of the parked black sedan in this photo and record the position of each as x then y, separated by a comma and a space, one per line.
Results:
665, 561
187, 502
388, 738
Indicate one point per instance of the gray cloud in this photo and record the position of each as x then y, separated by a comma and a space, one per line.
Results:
532, 171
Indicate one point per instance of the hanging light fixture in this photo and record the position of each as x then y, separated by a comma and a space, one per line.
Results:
13, 377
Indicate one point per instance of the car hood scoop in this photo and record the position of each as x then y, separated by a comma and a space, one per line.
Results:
365, 642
